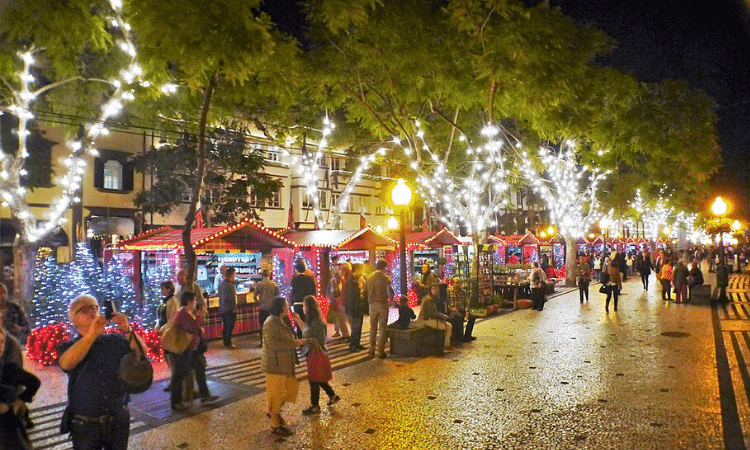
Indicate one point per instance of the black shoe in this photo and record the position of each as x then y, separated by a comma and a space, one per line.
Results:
361, 347
281, 431
382, 356
208, 398
314, 409
166, 388
180, 407
333, 400
353, 349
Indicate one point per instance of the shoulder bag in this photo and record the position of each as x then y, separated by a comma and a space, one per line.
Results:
136, 372
318, 364
173, 339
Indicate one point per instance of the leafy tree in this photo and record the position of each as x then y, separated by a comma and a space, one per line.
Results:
61, 56
226, 53
234, 172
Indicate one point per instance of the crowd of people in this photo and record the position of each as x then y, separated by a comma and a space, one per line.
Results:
97, 414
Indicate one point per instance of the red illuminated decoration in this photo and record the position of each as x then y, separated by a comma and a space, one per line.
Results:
41, 346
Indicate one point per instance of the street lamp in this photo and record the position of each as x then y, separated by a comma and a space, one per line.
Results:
719, 208
401, 196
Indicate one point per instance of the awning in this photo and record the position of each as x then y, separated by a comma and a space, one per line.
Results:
246, 235
364, 239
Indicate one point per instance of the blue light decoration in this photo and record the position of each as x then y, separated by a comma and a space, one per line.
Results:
154, 276
558, 255
279, 276
49, 304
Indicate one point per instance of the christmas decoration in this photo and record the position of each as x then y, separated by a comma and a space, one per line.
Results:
41, 346
48, 303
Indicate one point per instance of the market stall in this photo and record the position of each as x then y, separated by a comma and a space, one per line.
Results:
247, 247
317, 247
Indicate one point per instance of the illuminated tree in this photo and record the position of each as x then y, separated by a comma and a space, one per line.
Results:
569, 188
94, 63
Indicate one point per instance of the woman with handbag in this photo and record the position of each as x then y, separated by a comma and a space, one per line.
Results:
185, 321
277, 362
315, 331
12, 377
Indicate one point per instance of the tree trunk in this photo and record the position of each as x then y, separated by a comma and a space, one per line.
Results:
24, 261
571, 259
190, 217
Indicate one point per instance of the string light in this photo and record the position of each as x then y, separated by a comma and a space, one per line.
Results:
570, 191
12, 166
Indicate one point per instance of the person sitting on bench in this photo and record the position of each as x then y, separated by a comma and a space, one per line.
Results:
405, 315
431, 318
454, 304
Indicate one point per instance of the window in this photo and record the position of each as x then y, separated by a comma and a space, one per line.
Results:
323, 200
113, 171
334, 200
335, 163
353, 205
275, 201
112, 175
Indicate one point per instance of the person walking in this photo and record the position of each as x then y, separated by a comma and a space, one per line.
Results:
264, 293
314, 327
228, 307
598, 268
165, 313
379, 288
354, 304
302, 285
583, 278
644, 268
680, 277
665, 278
537, 287
277, 362
614, 281
187, 321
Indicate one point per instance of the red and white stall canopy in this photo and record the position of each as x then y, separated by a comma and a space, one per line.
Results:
246, 235
364, 239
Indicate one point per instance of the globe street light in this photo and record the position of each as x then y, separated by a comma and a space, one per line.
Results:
719, 208
401, 196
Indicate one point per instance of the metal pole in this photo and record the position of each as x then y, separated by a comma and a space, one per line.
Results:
402, 250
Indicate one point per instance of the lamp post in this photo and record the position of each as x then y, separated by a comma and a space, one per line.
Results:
719, 208
401, 196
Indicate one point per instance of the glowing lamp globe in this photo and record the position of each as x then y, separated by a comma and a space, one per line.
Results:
551, 231
392, 223
401, 194
719, 207
736, 225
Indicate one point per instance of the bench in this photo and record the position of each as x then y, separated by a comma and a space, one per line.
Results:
413, 341
701, 294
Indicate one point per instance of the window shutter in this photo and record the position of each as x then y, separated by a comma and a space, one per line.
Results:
127, 176
99, 173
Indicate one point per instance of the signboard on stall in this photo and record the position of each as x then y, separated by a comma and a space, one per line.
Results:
354, 256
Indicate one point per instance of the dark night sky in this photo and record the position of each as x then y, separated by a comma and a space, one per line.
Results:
706, 42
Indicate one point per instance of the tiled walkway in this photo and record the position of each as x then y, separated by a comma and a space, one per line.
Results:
653, 375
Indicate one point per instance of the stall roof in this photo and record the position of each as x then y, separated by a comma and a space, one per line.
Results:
495, 239
556, 239
433, 239
245, 235
365, 238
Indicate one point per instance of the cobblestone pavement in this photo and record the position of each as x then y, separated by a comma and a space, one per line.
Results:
570, 376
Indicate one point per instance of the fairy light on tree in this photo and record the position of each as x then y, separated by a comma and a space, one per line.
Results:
569, 189
23, 94
654, 216
307, 166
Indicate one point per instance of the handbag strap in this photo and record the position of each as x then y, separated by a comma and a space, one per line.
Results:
316, 347
138, 341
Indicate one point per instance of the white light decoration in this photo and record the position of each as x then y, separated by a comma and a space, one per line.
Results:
12, 166
568, 188
307, 166
655, 216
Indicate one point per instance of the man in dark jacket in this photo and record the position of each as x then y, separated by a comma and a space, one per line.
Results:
303, 284
354, 303
228, 306
644, 268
